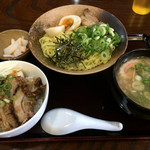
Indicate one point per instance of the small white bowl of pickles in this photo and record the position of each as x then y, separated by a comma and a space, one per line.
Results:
14, 44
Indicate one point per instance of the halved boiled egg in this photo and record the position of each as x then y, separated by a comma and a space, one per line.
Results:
54, 31
71, 22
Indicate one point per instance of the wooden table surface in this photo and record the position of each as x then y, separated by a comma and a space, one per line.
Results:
21, 14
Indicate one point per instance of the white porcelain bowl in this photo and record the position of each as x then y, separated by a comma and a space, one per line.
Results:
29, 70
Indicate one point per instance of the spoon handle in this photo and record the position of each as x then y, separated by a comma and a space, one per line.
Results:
93, 123
62, 121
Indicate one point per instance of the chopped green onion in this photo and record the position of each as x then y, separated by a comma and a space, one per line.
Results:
105, 55
13, 97
83, 42
7, 86
6, 100
2, 103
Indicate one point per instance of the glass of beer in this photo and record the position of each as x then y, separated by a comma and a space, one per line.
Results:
141, 7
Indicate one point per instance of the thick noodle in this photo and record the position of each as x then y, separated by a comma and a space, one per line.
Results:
95, 59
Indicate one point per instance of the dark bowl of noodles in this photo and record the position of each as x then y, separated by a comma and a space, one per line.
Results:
131, 88
52, 18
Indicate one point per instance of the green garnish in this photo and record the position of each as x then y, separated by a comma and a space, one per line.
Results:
2, 103
5, 87
97, 37
6, 100
83, 42
66, 52
139, 98
143, 70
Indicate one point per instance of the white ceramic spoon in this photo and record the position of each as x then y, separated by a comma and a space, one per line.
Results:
61, 121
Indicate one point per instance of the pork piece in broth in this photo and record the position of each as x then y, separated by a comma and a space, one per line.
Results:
18, 100
88, 18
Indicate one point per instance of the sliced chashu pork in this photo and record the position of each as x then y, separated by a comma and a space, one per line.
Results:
88, 18
23, 107
14, 85
21, 115
28, 105
8, 120
26, 98
34, 88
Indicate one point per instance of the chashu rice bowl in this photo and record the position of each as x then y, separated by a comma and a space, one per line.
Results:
23, 98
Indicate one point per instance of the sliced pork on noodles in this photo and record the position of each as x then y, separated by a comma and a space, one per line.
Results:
18, 98
88, 18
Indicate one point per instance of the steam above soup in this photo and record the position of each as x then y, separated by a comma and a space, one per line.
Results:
133, 78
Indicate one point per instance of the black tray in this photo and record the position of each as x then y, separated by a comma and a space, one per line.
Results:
90, 95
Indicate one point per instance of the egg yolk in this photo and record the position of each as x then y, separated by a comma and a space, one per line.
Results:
67, 22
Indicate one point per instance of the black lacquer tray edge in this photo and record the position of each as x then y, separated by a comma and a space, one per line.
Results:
78, 137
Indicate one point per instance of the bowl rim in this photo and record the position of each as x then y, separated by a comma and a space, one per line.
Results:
123, 58
23, 54
84, 72
44, 103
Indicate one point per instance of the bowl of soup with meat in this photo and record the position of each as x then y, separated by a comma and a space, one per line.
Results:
24, 91
132, 82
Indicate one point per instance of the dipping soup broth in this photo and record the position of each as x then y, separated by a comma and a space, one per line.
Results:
133, 78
